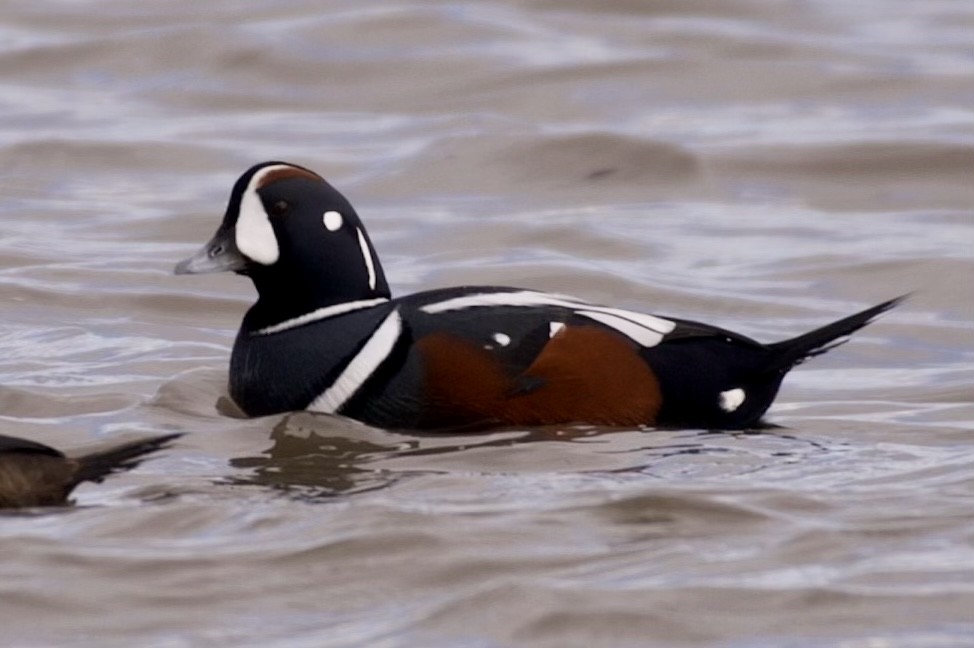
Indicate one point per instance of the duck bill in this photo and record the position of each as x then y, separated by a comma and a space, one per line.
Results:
219, 255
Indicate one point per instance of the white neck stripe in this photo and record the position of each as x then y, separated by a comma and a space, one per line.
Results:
362, 366
367, 255
320, 314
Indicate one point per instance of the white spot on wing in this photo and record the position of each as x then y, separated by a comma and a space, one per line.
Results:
253, 232
362, 366
502, 339
554, 328
731, 399
332, 220
321, 314
367, 255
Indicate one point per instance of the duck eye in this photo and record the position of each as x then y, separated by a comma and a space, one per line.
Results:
279, 208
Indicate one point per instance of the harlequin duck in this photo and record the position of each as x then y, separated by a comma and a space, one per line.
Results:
33, 474
326, 335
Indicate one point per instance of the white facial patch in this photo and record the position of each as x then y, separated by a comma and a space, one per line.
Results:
253, 233
731, 399
502, 339
554, 328
333, 221
367, 255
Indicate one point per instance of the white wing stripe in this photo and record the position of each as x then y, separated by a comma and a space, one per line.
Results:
648, 330
644, 336
523, 298
651, 322
362, 366
320, 314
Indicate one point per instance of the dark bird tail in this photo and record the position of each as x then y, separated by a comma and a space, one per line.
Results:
98, 465
788, 353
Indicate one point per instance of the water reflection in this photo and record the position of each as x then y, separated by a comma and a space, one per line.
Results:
315, 456
311, 463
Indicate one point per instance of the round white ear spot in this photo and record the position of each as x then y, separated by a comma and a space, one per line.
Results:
332, 220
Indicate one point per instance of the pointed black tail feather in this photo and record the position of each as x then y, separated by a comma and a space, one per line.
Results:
98, 465
788, 353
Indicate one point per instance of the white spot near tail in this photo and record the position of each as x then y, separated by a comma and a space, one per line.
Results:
333, 221
362, 366
367, 255
502, 339
731, 399
554, 327
253, 232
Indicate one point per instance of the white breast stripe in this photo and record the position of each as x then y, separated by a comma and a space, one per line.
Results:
367, 255
362, 366
320, 314
644, 336
253, 232
645, 329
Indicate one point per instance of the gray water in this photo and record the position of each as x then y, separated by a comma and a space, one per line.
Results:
763, 166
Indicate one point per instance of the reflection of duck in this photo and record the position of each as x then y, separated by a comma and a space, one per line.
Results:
321, 457
314, 458
325, 335
33, 474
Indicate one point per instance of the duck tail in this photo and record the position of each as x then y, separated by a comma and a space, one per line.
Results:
98, 465
791, 352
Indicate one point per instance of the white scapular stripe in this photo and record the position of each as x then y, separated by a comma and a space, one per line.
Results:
253, 232
367, 255
554, 328
645, 329
731, 399
362, 366
520, 298
320, 314
640, 334
651, 322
